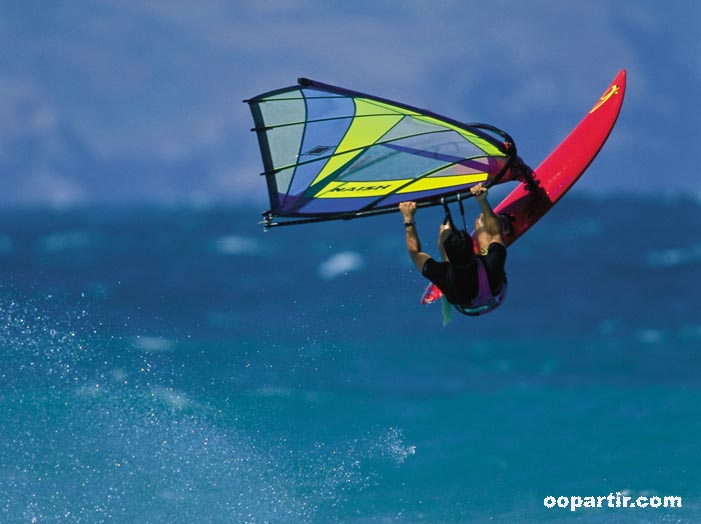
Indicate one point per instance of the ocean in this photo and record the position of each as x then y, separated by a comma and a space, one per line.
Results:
180, 366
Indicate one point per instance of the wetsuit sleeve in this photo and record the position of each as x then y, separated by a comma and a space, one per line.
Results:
494, 263
495, 259
436, 272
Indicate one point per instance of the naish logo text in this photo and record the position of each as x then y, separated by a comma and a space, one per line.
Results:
356, 189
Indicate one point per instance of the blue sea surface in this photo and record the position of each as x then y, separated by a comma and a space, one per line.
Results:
179, 366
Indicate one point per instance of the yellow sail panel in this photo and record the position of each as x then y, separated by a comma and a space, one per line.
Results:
381, 188
362, 133
360, 189
443, 182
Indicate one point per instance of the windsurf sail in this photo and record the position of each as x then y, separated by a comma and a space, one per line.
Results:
331, 153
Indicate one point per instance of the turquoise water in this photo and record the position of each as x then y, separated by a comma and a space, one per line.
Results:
183, 366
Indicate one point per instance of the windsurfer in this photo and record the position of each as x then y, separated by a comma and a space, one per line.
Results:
475, 283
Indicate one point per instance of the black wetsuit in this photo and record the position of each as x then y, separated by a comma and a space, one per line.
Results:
460, 284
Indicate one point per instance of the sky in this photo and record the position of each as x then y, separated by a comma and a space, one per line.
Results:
126, 101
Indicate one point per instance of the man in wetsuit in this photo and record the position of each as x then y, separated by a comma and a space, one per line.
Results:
475, 283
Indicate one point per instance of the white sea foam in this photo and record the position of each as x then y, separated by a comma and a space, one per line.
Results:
238, 245
119, 375
154, 344
341, 264
395, 447
650, 336
62, 241
90, 390
170, 397
178, 449
274, 391
674, 257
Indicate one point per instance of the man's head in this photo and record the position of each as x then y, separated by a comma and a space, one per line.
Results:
459, 248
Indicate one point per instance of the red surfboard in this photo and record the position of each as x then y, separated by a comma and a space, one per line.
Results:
529, 201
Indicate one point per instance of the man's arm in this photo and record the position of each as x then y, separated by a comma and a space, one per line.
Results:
413, 244
487, 225
443, 232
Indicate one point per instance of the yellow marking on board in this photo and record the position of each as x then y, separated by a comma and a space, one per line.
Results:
613, 90
384, 187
